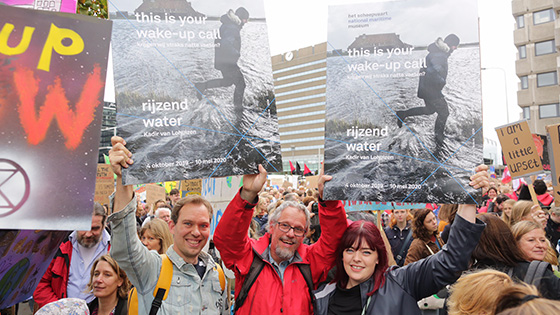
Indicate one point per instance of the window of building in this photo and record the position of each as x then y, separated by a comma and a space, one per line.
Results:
522, 52
524, 82
520, 21
547, 79
548, 110
544, 48
526, 113
543, 16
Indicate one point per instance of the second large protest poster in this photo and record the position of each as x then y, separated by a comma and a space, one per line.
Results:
194, 89
403, 101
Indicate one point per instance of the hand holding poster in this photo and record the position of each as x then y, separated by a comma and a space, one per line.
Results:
519, 150
52, 75
194, 90
404, 107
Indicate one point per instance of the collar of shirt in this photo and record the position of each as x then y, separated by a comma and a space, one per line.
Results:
280, 268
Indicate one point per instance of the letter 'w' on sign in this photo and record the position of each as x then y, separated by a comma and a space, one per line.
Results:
72, 123
519, 149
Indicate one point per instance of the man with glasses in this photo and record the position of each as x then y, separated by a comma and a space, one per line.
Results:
280, 287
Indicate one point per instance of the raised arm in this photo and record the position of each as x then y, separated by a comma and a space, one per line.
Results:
231, 237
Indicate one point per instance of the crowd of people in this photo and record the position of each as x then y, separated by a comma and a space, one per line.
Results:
291, 252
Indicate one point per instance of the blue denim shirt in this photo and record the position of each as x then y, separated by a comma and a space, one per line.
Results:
188, 294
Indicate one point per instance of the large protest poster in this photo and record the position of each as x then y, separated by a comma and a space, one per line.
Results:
194, 89
24, 258
52, 75
403, 119
68, 6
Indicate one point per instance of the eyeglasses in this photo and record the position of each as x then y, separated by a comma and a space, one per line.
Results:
284, 227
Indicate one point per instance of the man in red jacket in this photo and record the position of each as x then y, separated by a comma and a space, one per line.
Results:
280, 287
69, 271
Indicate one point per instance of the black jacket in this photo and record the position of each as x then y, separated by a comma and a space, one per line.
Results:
406, 285
121, 308
228, 47
434, 75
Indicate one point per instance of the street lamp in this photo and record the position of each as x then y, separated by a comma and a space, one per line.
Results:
505, 87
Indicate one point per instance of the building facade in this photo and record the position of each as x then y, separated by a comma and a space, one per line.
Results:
300, 87
537, 38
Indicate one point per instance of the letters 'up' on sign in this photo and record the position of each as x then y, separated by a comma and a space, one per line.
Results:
553, 134
519, 149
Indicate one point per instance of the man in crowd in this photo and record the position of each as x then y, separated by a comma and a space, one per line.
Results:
161, 213
195, 288
281, 286
69, 271
399, 234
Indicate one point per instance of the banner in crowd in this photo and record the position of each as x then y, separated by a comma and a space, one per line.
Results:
52, 75
403, 120
24, 258
194, 89
68, 6
380, 206
191, 187
519, 149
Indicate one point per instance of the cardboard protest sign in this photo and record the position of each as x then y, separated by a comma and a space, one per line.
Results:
153, 193
104, 183
192, 186
311, 181
519, 149
553, 135
68, 6
220, 191
194, 89
24, 258
52, 75
404, 112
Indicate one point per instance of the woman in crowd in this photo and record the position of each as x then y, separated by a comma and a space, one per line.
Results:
531, 240
489, 198
520, 299
450, 213
497, 249
526, 210
365, 283
426, 238
476, 292
110, 286
506, 212
155, 235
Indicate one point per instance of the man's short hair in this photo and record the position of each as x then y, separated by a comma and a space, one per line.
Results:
190, 199
540, 187
174, 191
100, 211
273, 219
555, 210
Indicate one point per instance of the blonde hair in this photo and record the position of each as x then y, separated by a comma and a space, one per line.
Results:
520, 299
159, 230
520, 210
505, 217
476, 292
122, 290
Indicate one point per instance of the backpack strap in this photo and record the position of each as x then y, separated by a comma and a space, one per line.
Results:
132, 302
221, 276
163, 284
256, 267
535, 272
305, 270
404, 248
